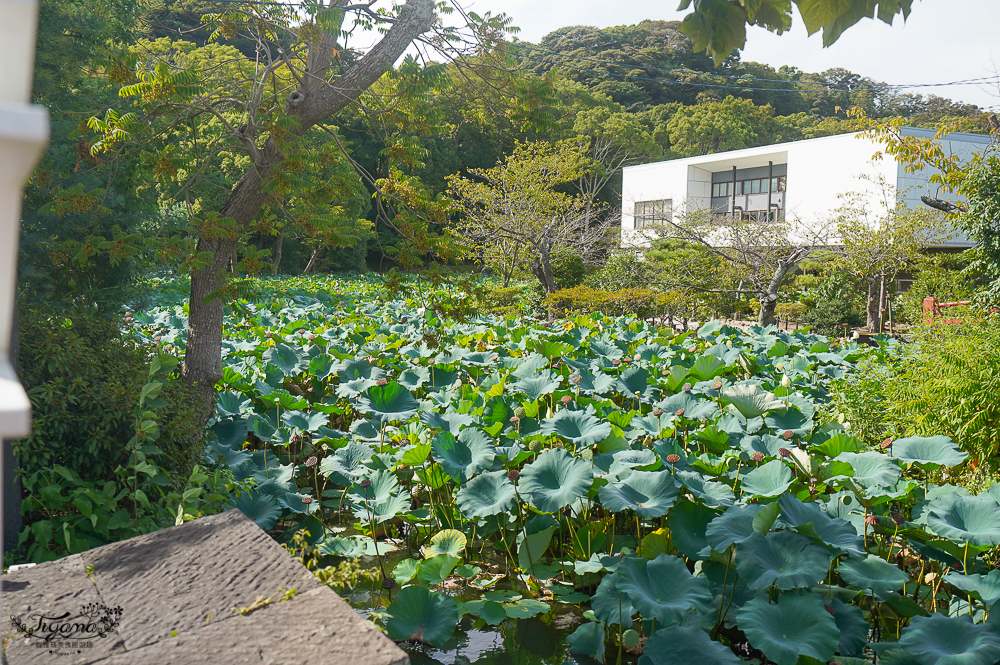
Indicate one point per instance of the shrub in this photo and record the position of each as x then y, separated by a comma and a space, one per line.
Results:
503, 301
568, 268
942, 276
623, 270
641, 303
833, 305
83, 378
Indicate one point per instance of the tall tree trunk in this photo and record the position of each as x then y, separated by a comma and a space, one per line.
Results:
769, 295
312, 260
310, 104
872, 306
277, 254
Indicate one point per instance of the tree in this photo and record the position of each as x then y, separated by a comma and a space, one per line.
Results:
719, 26
877, 239
973, 178
208, 114
756, 254
514, 215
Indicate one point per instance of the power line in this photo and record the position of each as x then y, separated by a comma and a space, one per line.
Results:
532, 47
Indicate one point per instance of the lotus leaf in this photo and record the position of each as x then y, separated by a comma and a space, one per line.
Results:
715, 495
786, 559
588, 640
535, 387
733, 526
663, 588
287, 358
791, 419
489, 611
389, 402
449, 541
487, 494
939, 640
688, 522
872, 575
648, 493
423, 615
261, 508
769, 479
852, 625
555, 480
751, 400
694, 408
707, 367
810, 519
796, 625
526, 608
579, 427
344, 466
436, 569
405, 571
928, 452
463, 456
871, 469
966, 519
683, 645
985, 587
634, 380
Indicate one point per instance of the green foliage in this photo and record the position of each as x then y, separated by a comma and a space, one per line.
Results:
83, 378
945, 276
833, 305
568, 268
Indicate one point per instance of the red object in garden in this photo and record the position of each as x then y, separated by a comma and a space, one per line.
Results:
933, 307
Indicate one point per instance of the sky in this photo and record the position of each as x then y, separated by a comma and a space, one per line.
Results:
942, 41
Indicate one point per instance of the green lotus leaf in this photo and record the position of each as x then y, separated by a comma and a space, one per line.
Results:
555, 480
610, 604
839, 443
648, 493
940, 640
287, 358
487, 494
449, 541
382, 500
683, 645
688, 522
579, 427
796, 625
461, 457
872, 575
715, 495
769, 479
663, 588
785, 559
436, 569
707, 367
350, 547
789, 419
694, 408
536, 386
345, 466
263, 509
811, 520
733, 526
389, 402
928, 451
588, 640
526, 608
966, 519
852, 625
634, 380
423, 615
489, 611
751, 400
405, 571
359, 368
871, 469
893, 656
985, 587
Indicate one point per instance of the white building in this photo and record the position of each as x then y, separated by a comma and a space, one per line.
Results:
798, 181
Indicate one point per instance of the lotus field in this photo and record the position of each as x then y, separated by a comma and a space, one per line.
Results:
691, 498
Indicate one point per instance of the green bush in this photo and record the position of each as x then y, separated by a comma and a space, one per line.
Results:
568, 268
834, 305
622, 270
83, 378
944, 383
503, 301
942, 276
641, 303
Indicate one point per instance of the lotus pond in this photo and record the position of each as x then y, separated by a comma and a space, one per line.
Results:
597, 489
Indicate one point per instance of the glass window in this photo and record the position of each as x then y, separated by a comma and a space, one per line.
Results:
755, 186
649, 213
781, 183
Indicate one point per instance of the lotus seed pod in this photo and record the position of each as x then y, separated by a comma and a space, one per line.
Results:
311, 461
381, 383
686, 387
307, 500
665, 373
388, 583
513, 475
657, 412
365, 483
616, 362
310, 337
717, 385
673, 458
871, 519
514, 419
587, 454
757, 456
630, 639
566, 399
519, 412
786, 382
575, 379
679, 412
886, 443
788, 435
784, 452
535, 446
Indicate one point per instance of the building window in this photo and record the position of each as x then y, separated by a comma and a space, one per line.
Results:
652, 213
743, 187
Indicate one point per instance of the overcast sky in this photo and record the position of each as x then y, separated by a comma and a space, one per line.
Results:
943, 40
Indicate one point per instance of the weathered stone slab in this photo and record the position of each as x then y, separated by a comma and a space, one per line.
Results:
51, 589
327, 630
183, 577
180, 590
